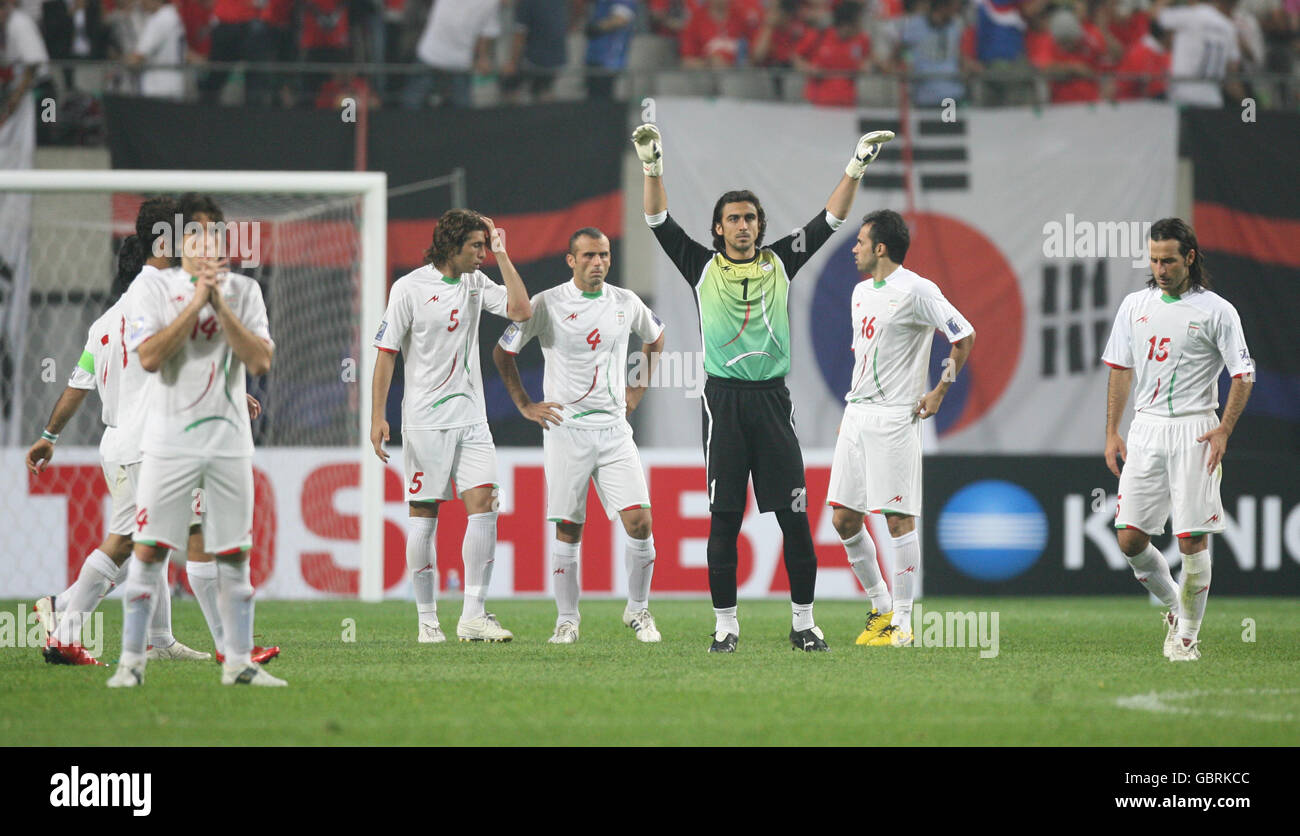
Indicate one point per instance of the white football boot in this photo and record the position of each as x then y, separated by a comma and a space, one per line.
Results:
643, 624
177, 651
431, 633
566, 633
1171, 633
1185, 650
127, 676
250, 674
485, 628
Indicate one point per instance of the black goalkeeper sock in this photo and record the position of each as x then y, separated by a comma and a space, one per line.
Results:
724, 528
800, 558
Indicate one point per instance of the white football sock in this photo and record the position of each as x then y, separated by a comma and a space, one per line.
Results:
639, 558
564, 573
235, 600
726, 620
1194, 594
862, 560
61, 600
80, 600
802, 618
203, 580
1152, 571
139, 597
908, 557
422, 563
479, 555
160, 626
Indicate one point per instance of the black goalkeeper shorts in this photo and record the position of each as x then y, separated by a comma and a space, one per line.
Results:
749, 428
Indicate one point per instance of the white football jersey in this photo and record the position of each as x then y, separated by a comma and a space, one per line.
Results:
1205, 43
433, 321
195, 404
1177, 348
107, 366
584, 340
893, 324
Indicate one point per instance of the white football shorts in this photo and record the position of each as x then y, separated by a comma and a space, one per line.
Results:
123, 481
877, 464
1167, 471
165, 502
435, 459
607, 456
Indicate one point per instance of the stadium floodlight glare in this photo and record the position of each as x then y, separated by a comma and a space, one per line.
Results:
305, 205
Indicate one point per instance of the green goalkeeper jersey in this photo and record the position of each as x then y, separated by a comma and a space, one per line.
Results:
743, 305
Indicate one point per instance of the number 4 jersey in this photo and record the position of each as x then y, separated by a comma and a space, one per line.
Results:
433, 321
1176, 348
584, 340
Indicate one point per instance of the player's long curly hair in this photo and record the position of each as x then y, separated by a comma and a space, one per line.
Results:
154, 221
1177, 229
453, 230
738, 196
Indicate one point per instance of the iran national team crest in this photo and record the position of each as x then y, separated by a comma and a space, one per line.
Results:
1193, 329
619, 317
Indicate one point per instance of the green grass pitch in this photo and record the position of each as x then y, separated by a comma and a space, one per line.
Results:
1070, 671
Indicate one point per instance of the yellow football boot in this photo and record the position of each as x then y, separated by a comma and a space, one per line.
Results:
876, 621
891, 636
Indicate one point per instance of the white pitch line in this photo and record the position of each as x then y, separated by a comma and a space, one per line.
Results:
1162, 703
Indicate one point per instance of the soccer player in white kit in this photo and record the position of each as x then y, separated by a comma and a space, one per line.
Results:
583, 327
1169, 344
105, 365
877, 464
1204, 47
433, 318
196, 327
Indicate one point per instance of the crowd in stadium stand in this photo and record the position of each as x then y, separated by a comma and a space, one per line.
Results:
1008, 51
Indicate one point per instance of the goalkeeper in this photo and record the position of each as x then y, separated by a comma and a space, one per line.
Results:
741, 287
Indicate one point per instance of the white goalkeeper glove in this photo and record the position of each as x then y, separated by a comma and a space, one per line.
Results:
650, 149
868, 147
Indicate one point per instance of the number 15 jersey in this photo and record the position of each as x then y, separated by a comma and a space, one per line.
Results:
433, 321
1176, 348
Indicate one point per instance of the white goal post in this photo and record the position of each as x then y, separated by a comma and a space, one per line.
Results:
371, 189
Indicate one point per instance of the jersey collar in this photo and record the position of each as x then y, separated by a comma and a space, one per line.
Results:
573, 283
448, 280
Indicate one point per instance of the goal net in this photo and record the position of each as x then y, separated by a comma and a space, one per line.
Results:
316, 244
